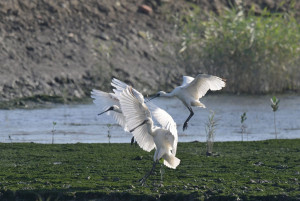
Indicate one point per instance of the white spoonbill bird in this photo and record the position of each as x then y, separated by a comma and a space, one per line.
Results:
109, 102
138, 119
192, 89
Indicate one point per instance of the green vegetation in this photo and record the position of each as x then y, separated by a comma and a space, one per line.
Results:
255, 53
275, 106
53, 131
108, 132
243, 125
210, 129
263, 170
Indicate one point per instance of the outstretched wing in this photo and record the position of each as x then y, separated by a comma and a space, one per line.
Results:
167, 122
121, 86
120, 119
136, 112
202, 83
186, 80
105, 100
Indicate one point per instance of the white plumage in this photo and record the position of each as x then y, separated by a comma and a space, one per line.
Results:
192, 89
109, 102
139, 120
127, 107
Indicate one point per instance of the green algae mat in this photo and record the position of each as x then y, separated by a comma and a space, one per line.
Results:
261, 170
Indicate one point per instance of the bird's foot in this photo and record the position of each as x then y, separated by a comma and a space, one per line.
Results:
185, 125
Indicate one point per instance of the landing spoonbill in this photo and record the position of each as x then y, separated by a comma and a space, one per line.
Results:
139, 120
192, 89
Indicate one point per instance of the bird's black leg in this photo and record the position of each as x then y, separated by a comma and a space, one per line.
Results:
143, 180
185, 125
132, 141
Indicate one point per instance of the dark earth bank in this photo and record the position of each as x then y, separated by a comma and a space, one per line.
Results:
57, 51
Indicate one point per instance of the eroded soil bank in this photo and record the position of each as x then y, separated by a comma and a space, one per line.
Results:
57, 51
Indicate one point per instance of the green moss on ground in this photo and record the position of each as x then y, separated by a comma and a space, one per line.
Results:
262, 170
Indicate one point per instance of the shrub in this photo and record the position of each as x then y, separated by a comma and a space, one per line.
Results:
256, 54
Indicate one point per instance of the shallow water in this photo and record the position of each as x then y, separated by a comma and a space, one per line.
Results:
80, 123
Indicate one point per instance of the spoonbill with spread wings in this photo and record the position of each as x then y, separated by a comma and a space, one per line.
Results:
192, 89
139, 120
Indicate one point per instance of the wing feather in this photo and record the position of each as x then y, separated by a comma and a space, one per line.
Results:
121, 86
202, 83
120, 119
136, 112
167, 122
186, 80
105, 100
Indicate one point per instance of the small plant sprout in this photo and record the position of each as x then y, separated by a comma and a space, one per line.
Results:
243, 126
162, 170
53, 131
210, 129
275, 105
108, 132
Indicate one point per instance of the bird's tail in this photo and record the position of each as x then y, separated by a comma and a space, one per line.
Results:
171, 161
197, 103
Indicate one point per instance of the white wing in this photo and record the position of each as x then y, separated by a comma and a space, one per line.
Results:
120, 119
120, 86
186, 80
167, 122
105, 100
136, 112
171, 126
202, 83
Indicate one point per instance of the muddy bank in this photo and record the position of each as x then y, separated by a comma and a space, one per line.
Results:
60, 50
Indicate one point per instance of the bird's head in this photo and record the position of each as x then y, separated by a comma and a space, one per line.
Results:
158, 94
114, 107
